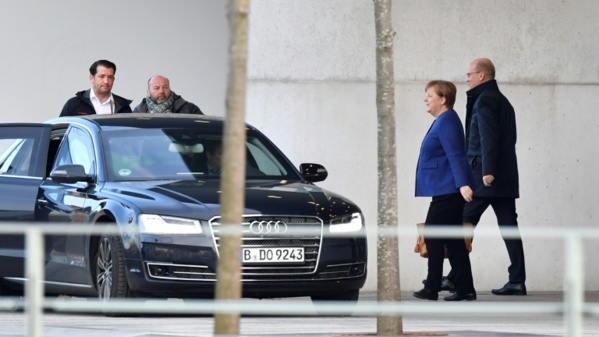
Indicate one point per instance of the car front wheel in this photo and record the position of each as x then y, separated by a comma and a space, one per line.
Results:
111, 281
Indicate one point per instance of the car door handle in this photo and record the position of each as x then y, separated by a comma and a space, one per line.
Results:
42, 202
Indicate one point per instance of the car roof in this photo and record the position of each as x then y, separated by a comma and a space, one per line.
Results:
145, 120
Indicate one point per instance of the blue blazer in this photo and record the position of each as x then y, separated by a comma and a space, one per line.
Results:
442, 164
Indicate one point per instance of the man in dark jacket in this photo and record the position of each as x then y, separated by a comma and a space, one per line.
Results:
99, 99
161, 99
491, 151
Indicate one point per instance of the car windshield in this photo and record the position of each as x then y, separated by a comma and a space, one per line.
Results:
166, 154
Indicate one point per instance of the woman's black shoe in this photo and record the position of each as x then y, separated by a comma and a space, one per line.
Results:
426, 294
459, 297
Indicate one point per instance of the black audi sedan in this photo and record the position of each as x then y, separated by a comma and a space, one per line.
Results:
148, 187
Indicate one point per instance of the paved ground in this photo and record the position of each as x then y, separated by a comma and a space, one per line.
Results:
427, 319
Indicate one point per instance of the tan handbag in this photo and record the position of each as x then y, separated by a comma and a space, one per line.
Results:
421, 245
468, 232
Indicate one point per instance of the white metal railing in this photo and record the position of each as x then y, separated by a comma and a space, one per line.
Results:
573, 306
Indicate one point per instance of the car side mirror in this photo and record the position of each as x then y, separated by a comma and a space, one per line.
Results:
313, 172
69, 174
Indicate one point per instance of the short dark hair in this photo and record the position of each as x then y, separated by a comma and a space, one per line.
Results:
104, 63
444, 89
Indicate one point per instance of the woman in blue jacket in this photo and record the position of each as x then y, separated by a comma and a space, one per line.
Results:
443, 174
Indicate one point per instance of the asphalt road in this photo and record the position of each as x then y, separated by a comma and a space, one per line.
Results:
427, 319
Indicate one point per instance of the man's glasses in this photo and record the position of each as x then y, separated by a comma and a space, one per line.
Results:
472, 73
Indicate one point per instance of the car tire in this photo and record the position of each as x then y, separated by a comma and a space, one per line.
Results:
350, 297
111, 280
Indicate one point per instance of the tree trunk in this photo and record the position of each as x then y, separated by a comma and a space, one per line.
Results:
388, 257
228, 285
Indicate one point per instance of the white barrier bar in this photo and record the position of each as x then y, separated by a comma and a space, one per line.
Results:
34, 272
574, 292
282, 307
402, 231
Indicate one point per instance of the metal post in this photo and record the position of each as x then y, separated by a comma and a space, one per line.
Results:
34, 273
574, 290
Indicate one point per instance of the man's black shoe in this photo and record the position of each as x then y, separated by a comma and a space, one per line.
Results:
446, 285
459, 297
518, 289
426, 294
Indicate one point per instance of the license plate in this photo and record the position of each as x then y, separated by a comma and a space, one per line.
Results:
270, 255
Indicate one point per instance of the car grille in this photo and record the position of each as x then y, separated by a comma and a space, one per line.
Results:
273, 232
303, 232
166, 271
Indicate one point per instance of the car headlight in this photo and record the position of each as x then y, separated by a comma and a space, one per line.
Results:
159, 224
349, 223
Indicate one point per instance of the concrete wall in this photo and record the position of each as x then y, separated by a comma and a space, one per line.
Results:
312, 89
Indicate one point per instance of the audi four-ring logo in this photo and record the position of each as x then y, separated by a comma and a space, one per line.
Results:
268, 227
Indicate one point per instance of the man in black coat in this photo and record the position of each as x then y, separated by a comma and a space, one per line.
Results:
491, 151
161, 99
99, 99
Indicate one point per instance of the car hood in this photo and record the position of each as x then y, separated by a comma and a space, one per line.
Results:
200, 199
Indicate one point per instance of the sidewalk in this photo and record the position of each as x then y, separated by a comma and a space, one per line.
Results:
506, 323
488, 316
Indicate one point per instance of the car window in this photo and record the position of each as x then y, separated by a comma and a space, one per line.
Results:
264, 159
155, 154
18, 160
77, 148
21, 151
146, 156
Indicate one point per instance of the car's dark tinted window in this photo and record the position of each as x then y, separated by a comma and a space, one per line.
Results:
18, 159
21, 150
148, 154
77, 148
